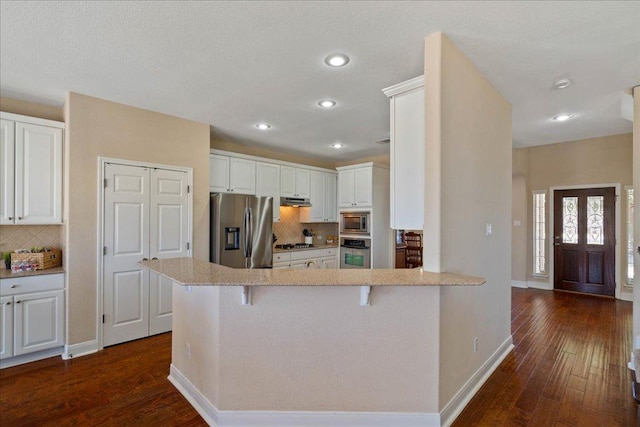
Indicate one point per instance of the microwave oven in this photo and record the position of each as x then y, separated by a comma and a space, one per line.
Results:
354, 222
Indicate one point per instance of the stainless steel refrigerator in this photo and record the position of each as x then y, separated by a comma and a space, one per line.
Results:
241, 230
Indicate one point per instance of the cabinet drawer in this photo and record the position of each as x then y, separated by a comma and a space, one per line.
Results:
280, 257
308, 254
329, 252
23, 285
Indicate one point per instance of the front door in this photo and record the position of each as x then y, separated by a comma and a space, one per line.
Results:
584, 240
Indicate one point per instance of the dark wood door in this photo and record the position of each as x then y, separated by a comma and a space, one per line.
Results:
584, 240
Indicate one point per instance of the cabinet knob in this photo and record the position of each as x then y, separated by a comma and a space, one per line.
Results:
18, 302
145, 259
8, 302
154, 258
9, 218
19, 217
14, 286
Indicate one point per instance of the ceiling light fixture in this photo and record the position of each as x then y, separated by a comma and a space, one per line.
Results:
562, 83
563, 117
327, 103
263, 126
337, 145
336, 60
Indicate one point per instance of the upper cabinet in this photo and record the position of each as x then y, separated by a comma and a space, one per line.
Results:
295, 182
268, 184
407, 154
30, 170
355, 187
231, 175
322, 197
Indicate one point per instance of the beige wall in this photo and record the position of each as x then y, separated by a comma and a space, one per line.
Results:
468, 156
308, 348
33, 109
605, 160
95, 128
519, 232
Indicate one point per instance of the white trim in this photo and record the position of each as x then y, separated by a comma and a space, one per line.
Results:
519, 284
455, 406
545, 286
32, 120
626, 296
30, 357
268, 160
402, 87
215, 417
618, 218
81, 349
102, 161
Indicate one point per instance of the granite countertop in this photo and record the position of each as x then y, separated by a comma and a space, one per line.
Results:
7, 274
315, 246
189, 271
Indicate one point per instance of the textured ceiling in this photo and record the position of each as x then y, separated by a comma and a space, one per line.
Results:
233, 64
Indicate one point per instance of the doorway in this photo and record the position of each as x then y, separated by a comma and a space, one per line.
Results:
584, 240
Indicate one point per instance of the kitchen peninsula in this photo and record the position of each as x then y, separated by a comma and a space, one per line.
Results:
306, 352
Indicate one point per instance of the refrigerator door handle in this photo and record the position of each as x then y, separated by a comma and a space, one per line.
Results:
246, 225
250, 230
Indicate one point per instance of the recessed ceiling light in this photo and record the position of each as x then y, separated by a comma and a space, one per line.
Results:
327, 103
263, 126
563, 117
337, 145
562, 83
336, 60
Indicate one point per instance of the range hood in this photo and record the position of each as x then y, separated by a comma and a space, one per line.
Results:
294, 201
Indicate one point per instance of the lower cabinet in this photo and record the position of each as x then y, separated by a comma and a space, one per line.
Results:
32, 314
314, 258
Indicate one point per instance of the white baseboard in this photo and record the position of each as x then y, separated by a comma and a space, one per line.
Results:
217, 418
31, 357
519, 284
455, 406
545, 286
80, 349
626, 296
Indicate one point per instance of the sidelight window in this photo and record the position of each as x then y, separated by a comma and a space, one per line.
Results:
630, 244
539, 232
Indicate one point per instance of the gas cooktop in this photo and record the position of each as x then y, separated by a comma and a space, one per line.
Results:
294, 246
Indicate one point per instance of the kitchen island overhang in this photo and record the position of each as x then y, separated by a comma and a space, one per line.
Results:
306, 353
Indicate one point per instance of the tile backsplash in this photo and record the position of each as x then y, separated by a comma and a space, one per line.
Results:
26, 236
289, 229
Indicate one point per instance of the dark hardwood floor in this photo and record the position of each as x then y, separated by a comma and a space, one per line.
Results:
568, 369
123, 385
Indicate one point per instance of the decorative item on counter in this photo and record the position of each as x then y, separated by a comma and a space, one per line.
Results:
36, 258
308, 236
7, 260
329, 238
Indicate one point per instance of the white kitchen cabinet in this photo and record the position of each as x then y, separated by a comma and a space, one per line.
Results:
39, 321
6, 327
407, 157
308, 258
231, 175
322, 197
268, 184
330, 197
30, 170
295, 182
32, 314
355, 187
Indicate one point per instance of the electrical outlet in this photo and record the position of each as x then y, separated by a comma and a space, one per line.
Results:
475, 345
188, 346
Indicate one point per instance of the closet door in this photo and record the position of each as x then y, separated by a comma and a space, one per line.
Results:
126, 239
169, 230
